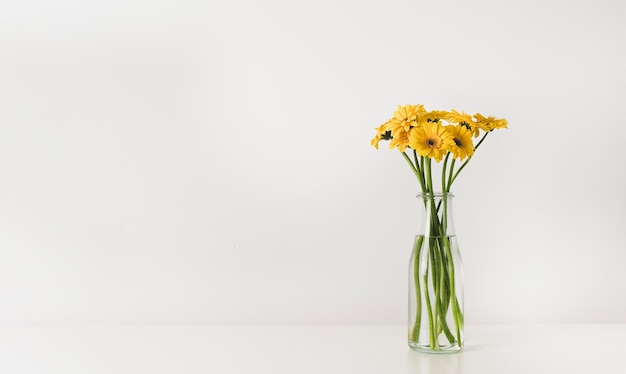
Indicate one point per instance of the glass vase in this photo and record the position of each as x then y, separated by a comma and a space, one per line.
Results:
435, 279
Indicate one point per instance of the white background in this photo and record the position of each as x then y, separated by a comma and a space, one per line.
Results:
189, 162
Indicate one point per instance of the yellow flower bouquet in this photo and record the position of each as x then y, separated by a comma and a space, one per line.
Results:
436, 316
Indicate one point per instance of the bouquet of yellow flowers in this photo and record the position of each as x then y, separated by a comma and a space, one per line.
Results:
435, 134
435, 270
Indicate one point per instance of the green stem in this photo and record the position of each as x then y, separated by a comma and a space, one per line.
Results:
443, 172
426, 190
455, 302
417, 250
450, 181
421, 171
430, 313
445, 297
481, 140
460, 314
435, 271
435, 276
416, 170
450, 175
444, 217
429, 176
434, 220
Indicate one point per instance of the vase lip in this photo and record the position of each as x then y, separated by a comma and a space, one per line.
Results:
429, 195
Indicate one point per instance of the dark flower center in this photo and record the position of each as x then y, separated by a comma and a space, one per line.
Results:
458, 142
430, 142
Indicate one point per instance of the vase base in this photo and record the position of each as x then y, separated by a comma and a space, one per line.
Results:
440, 350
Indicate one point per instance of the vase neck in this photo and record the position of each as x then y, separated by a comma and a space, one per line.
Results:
436, 217
435, 195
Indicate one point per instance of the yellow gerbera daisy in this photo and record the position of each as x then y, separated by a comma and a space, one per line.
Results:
460, 118
400, 140
500, 123
380, 134
462, 145
404, 118
433, 116
430, 140
463, 119
490, 123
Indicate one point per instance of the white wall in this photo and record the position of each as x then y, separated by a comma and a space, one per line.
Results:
209, 162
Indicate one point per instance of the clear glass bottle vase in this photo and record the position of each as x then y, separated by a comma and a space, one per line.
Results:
435, 279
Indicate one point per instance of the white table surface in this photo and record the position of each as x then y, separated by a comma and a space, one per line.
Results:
502, 349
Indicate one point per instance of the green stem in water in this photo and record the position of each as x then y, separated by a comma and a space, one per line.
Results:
455, 302
445, 295
430, 313
435, 276
417, 250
